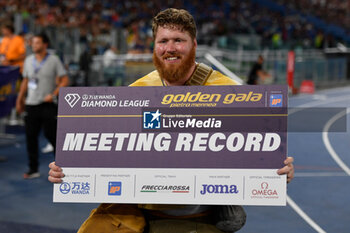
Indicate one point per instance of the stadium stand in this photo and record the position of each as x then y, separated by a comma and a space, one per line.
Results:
280, 23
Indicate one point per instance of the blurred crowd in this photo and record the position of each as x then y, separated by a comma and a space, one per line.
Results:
94, 20
332, 11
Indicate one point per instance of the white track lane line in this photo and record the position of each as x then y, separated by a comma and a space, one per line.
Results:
302, 214
317, 103
328, 145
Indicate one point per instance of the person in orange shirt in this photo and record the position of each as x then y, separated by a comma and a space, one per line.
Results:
12, 48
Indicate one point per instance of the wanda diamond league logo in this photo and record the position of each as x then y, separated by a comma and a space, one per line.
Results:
72, 99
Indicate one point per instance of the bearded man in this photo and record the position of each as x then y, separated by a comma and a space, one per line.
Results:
174, 34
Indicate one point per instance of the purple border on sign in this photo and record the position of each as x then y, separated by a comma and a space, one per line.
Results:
87, 113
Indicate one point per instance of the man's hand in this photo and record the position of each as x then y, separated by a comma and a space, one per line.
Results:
20, 102
48, 98
288, 169
19, 106
55, 173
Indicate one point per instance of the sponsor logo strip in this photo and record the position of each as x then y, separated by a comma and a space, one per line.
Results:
177, 186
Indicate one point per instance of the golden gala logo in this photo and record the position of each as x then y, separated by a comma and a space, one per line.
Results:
200, 97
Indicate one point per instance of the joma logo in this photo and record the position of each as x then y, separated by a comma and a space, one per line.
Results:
218, 188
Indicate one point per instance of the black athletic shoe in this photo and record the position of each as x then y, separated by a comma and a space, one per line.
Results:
31, 175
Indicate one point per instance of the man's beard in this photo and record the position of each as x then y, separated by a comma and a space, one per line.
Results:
172, 73
38, 50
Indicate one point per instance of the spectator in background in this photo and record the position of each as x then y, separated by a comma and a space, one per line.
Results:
12, 53
277, 27
43, 75
12, 48
109, 56
85, 60
319, 40
28, 43
257, 75
110, 65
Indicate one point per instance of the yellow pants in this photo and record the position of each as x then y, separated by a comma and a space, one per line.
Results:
123, 218
108, 218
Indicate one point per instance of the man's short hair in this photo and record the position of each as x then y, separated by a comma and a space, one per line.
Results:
43, 37
9, 27
175, 19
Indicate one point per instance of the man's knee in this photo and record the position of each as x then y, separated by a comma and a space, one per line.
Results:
114, 218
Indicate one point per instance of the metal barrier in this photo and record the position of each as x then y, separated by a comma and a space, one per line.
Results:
68, 44
322, 71
127, 68
123, 70
309, 65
